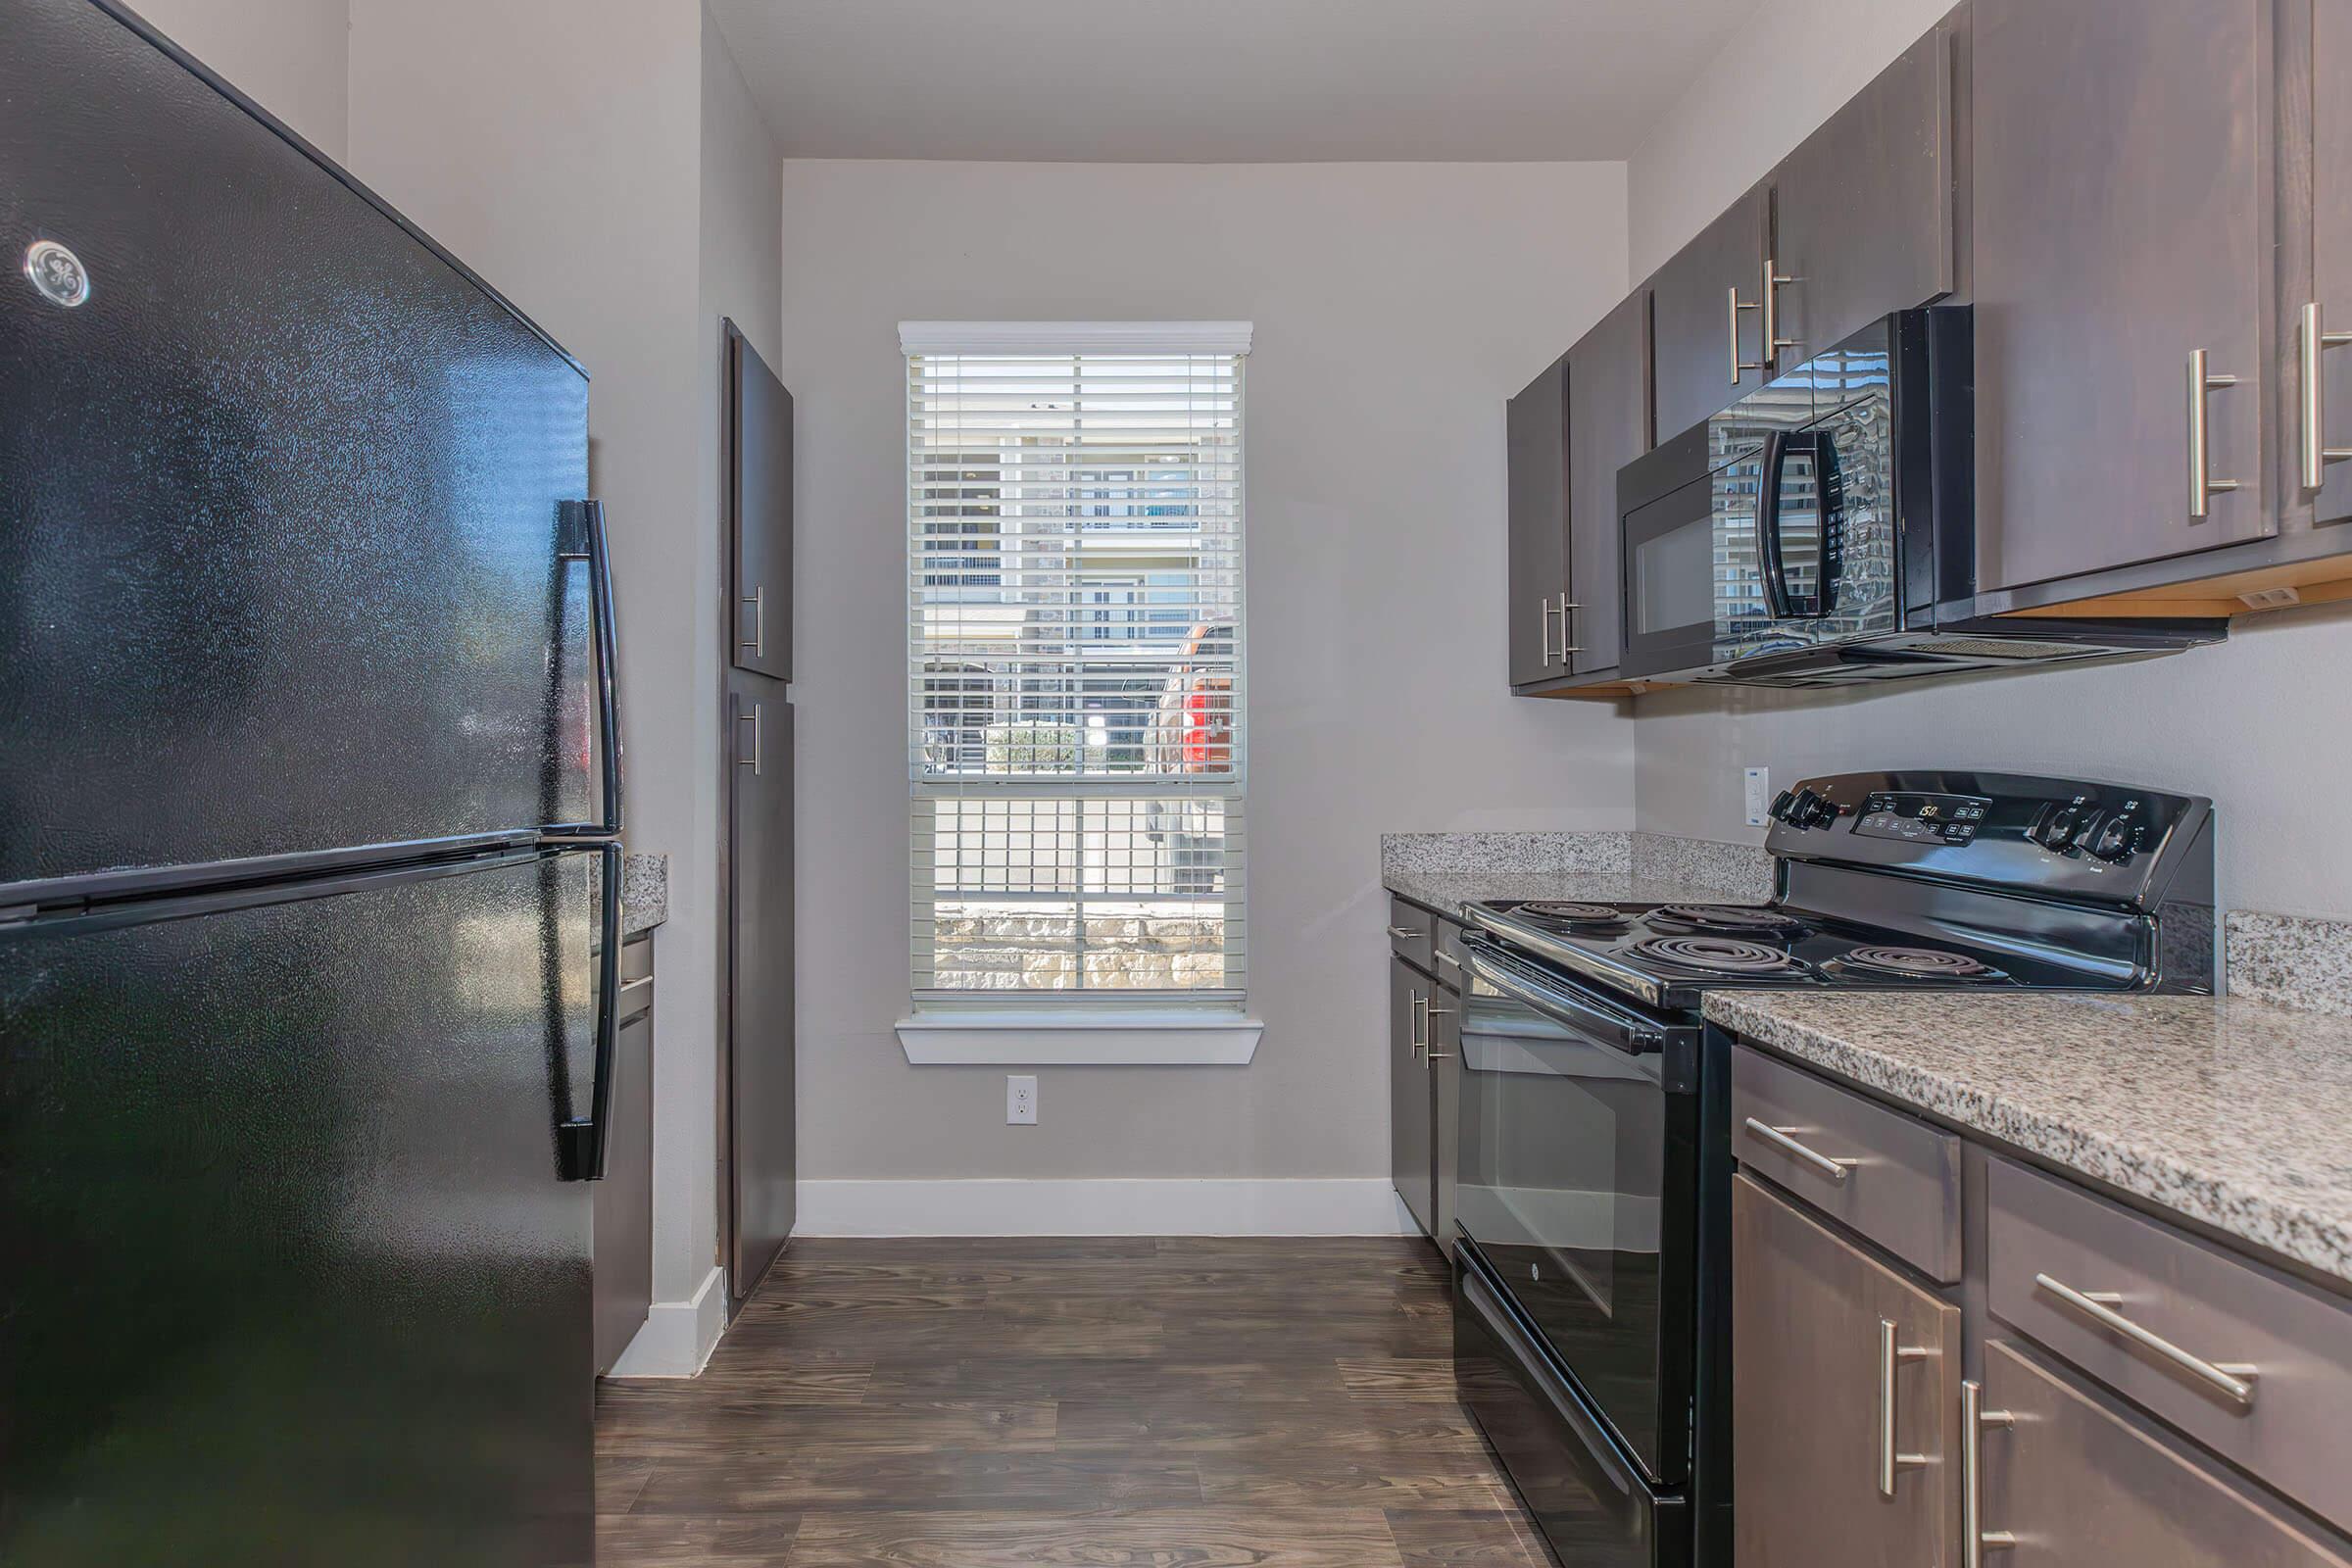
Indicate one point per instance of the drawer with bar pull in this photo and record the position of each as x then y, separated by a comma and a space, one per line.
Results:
1453, 964
1889, 1176
1411, 931
2256, 1367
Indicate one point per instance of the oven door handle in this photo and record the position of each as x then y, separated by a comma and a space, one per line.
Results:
1632, 1035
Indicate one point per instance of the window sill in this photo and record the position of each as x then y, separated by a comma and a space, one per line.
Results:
1046, 1038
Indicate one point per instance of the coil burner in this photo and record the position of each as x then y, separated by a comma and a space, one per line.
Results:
1715, 956
1572, 914
1727, 919
1915, 963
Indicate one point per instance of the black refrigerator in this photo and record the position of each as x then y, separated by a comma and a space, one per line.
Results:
309, 872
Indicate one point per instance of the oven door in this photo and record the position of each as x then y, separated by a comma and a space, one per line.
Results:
1578, 1188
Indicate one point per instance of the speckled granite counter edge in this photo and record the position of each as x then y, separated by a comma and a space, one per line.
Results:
2294, 960
644, 892
1450, 853
2262, 1220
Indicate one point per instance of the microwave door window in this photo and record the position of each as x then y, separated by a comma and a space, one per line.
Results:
1672, 572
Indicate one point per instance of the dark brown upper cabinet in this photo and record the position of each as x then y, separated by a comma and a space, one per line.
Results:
1862, 210
1539, 528
1706, 326
757, 475
2323, 424
1608, 428
2122, 156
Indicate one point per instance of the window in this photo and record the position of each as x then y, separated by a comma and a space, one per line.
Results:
1076, 735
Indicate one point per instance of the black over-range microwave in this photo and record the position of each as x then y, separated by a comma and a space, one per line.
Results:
1821, 530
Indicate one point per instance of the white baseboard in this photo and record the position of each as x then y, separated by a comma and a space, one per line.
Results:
1105, 1207
678, 1337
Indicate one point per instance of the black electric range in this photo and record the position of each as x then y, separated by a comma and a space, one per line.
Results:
1594, 1151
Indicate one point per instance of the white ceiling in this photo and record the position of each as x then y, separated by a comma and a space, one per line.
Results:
1219, 80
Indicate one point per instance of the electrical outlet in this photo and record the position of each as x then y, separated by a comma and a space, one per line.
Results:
1020, 1099
1757, 782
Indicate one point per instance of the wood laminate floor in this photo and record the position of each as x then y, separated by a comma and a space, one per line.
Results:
1181, 1402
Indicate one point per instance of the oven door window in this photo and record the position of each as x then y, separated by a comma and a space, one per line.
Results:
1563, 1159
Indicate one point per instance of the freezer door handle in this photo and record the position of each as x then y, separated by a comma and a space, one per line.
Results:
581, 1142
583, 539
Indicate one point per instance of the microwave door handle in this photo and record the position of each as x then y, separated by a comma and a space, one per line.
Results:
1770, 562
1829, 485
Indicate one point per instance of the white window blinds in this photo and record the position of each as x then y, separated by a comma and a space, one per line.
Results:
1076, 728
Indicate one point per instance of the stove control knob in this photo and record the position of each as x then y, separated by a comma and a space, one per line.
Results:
1779, 806
2117, 838
1809, 810
2057, 830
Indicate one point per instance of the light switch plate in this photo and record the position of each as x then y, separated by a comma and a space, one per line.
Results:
1757, 783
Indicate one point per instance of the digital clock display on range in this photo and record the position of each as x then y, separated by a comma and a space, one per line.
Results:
1923, 818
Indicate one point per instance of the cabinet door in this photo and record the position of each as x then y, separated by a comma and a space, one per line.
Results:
1539, 525
1445, 1058
2121, 179
761, 1064
1608, 427
1411, 1123
1810, 1378
2331, 241
624, 1201
1862, 210
758, 500
2075, 1482
1696, 341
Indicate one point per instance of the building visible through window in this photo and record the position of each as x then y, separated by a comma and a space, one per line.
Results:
1077, 757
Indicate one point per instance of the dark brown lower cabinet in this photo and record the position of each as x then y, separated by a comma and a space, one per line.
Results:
2067, 1480
622, 1203
1411, 1124
1845, 1387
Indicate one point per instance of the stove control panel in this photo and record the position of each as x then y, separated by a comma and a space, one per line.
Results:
1920, 818
2103, 841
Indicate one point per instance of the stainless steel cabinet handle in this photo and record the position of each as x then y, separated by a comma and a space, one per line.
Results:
1447, 957
1773, 282
1416, 1022
1428, 1052
1975, 1420
756, 642
2233, 1380
2202, 485
1566, 647
1732, 326
1891, 1354
752, 718
2312, 341
1406, 933
1837, 1170
638, 983
1548, 610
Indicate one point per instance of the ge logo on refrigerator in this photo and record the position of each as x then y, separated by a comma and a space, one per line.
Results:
58, 273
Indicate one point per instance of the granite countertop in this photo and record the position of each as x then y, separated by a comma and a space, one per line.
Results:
644, 892
2232, 1112
1447, 890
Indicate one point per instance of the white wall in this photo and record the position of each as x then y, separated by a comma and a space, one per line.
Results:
285, 55
1777, 79
2255, 724
593, 160
1395, 305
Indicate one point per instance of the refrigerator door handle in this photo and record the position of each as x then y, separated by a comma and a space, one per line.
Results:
581, 1141
583, 538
